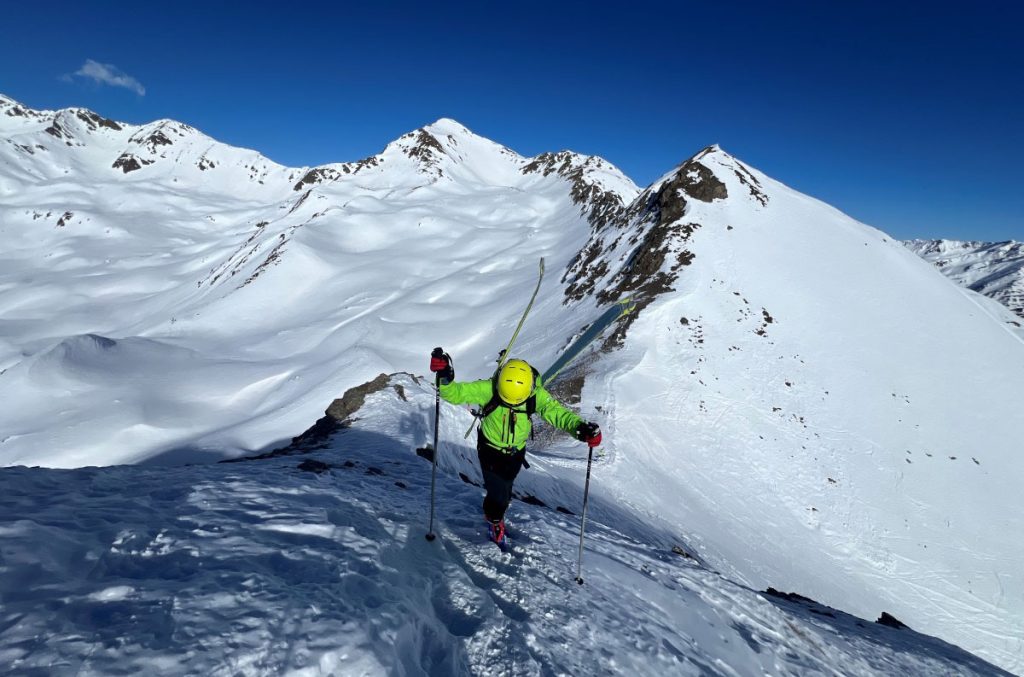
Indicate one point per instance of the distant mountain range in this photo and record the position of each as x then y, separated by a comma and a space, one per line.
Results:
995, 269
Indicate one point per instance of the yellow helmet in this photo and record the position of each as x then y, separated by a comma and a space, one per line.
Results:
515, 382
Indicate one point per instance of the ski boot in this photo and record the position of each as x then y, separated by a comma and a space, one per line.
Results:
496, 532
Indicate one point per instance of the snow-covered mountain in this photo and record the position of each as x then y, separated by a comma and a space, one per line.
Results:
183, 308
995, 269
798, 402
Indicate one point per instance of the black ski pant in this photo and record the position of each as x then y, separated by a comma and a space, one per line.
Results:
499, 470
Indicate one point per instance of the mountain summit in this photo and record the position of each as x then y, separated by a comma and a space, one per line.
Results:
799, 399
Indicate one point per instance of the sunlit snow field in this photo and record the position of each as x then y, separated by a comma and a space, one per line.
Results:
808, 407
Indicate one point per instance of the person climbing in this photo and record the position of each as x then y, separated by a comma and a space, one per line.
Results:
507, 402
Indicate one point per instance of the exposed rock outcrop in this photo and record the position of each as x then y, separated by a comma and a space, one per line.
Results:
339, 415
649, 238
600, 206
129, 163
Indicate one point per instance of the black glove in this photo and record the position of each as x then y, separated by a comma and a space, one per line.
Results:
589, 433
441, 364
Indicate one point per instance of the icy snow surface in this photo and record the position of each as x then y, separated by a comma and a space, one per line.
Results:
807, 405
260, 568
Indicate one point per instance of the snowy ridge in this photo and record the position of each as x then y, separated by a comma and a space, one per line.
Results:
798, 392
799, 398
995, 269
447, 151
316, 564
76, 145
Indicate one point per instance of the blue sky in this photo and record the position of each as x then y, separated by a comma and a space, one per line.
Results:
908, 116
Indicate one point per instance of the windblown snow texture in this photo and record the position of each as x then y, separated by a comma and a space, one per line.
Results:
316, 564
798, 399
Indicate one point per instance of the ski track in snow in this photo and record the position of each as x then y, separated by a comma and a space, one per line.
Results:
260, 568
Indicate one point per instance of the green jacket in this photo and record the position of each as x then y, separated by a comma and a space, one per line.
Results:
505, 428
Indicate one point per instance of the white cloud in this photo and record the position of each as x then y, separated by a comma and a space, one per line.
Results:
109, 74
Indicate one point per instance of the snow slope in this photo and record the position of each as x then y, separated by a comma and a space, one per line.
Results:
995, 269
260, 568
801, 400
236, 300
819, 409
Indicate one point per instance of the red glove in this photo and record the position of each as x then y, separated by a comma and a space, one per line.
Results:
589, 433
441, 364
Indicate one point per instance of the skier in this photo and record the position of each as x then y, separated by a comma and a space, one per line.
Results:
507, 400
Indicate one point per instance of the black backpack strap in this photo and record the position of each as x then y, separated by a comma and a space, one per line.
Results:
495, 402
489, 408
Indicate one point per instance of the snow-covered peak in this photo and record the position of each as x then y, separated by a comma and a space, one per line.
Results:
154, 135
940, 247
14, 115
448, 151
169, 127
448, 127
640, 249
77, 126
13, 108
7, 102
708, 176
424, 146
72, 125
444, 150
77, 145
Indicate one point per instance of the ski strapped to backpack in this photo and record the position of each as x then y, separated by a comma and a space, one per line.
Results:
503, 355
617, 310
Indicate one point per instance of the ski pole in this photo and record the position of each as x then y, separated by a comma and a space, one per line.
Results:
433, 471
583, 519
